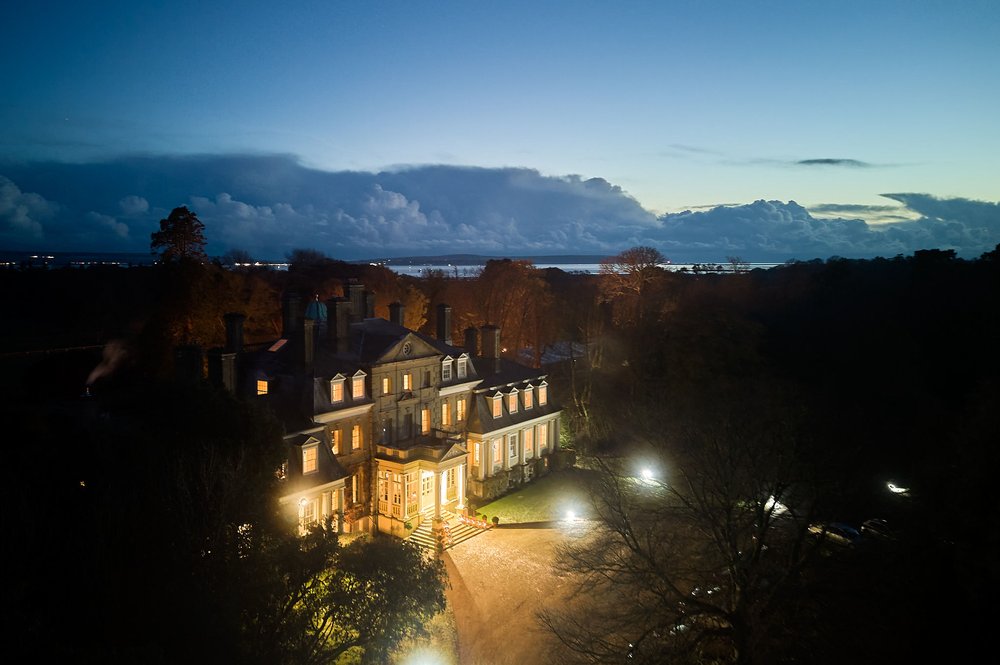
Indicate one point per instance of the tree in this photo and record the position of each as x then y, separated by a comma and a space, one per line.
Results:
626, 278
181, 237
703, 563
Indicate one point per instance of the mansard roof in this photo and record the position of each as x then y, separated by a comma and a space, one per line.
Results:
503, 372
328, 469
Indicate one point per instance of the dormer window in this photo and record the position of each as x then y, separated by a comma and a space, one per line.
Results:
261, 386
497, 408
446, 370
337, 389
543, 394
529, 397
512, 401
461, 367
310, 458
358, 386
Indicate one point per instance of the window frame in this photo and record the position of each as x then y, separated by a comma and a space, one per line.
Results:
358, 380
310, 458
337, 386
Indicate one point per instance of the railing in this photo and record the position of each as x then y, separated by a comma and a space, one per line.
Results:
384, 508
472, 521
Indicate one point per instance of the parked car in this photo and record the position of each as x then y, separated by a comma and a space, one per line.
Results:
836, 533
877, 528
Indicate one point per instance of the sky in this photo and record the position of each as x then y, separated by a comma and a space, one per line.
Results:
772, 130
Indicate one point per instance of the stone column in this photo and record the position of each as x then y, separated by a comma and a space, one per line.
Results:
438, 487
461, 486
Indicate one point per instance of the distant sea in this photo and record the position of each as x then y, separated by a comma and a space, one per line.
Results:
466, 267
418, 270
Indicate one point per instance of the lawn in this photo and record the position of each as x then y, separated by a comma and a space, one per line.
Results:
549, 498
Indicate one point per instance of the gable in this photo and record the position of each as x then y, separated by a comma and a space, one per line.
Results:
409, 347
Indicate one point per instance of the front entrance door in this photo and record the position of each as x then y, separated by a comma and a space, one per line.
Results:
426, 490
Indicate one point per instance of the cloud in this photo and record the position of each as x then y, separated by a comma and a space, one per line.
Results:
269, 205
100, 220
133, 205
22, 215
827, 161
776, 231
877, 214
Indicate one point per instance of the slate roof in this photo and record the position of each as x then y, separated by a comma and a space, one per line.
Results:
328, 469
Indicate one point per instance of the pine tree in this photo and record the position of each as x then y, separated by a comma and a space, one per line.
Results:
181, 237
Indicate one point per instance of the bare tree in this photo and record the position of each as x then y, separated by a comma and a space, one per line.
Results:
697, 560
626, 277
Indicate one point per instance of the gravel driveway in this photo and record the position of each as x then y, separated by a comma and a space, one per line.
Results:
499, 580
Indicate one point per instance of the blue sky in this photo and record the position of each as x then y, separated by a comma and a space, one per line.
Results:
682, 105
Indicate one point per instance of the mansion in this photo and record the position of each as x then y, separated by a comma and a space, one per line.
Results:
387, 427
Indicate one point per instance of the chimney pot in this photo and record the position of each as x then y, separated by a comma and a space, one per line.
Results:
444, 323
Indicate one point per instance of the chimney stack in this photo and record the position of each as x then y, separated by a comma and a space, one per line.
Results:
222, 369
308, 342
491, 345
338, 324
397, 312
472, 341
234, 332
356, 294
189, 363
291, 314
444, 323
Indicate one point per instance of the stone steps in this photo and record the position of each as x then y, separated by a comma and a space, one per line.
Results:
423, 535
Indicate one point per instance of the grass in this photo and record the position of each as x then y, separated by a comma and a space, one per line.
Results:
548, 498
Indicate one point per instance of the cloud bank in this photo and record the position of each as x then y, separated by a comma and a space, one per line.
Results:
269, 205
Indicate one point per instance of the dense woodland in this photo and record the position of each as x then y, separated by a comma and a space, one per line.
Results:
844, 374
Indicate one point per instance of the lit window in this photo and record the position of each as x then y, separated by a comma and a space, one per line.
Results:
261, 386
512, 445
512, 401
307, 512
446, 370
543, 436
528, 398
358, 386
461, 368
310, 459
425, 421
445, 414
407, 381
356, 437
543, 394
336, 391
528, 442
460, 409
386, 385
335, 440
497, 409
